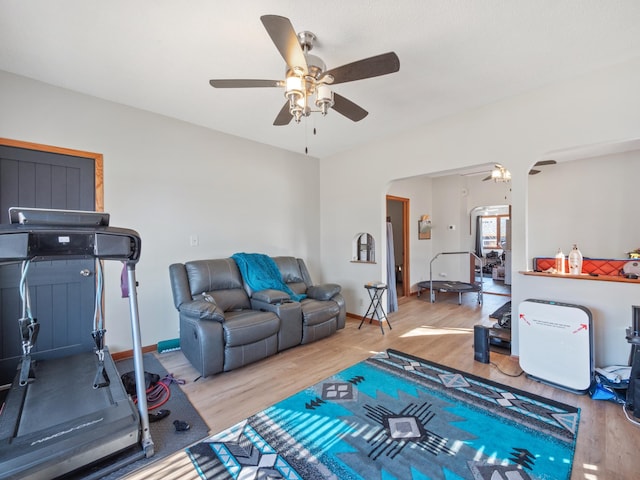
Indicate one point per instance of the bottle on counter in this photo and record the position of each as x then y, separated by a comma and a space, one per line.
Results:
560, 262
575, 261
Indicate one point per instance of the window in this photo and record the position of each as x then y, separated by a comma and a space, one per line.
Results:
494, 231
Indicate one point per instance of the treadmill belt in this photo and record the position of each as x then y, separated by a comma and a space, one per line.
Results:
62, 391
59, 423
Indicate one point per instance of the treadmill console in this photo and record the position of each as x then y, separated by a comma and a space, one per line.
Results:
43, 234
50, 217
23, 242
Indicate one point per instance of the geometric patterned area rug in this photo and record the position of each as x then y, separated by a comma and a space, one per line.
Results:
396, 416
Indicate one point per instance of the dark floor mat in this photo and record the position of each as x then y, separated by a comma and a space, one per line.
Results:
165, 438
498, 314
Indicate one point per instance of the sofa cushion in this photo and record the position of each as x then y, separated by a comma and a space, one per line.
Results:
323, 292
316, 311
289, 269
299, 288
220, 279
243, 328
208, 275
291, 274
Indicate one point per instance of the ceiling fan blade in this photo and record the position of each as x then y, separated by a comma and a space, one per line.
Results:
348, 108
486, 178
534, 172
285, 39
545, 162
284, 117
245, 83
365, 68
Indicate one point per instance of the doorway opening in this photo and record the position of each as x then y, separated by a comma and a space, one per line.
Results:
491, 228
398, 216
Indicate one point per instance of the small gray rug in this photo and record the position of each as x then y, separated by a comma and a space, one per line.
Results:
506, 308
166, 440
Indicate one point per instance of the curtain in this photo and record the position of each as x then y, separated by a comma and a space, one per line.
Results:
478, 245
392, 294
479, 236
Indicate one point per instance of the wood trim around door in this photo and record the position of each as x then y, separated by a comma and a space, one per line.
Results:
405, 233
96, 157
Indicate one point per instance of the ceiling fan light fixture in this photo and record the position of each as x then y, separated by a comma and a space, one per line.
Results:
294, 87
500, 174
296, 93
298, 108
324, 98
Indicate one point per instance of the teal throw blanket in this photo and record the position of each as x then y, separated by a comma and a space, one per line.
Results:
260, 272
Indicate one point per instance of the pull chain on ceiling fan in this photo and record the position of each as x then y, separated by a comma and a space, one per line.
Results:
306, 75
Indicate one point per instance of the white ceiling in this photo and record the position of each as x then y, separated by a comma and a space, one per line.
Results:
158, 55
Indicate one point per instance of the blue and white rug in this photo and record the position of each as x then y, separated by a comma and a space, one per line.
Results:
396, 416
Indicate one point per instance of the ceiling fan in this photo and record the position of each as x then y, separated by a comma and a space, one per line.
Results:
306, 75
501, 174
541, 163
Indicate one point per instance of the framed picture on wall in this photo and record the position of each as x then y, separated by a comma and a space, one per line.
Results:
424, 228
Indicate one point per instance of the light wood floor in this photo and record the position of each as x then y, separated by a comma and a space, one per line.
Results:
607, 445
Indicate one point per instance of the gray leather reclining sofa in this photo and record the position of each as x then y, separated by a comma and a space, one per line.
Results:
225, 325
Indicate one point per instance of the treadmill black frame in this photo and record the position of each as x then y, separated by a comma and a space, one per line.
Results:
65, 235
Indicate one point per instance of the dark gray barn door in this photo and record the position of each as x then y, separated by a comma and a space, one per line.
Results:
62, 299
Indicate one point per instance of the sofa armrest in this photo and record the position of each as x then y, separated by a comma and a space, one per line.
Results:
342, 316
323, 292
203, 344
201, 309
271, 296
290, 314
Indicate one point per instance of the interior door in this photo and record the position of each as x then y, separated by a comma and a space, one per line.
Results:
62, 292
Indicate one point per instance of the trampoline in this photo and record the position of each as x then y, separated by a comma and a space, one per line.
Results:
449, 286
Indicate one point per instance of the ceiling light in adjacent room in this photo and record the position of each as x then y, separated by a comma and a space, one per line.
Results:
500, 174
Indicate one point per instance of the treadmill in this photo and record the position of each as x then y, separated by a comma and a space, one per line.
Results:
65, 413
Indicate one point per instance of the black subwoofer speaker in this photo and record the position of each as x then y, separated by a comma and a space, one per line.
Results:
481, 344
633, 337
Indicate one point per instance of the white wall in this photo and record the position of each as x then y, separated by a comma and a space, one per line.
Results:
590, 202
601, 107
169, 180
